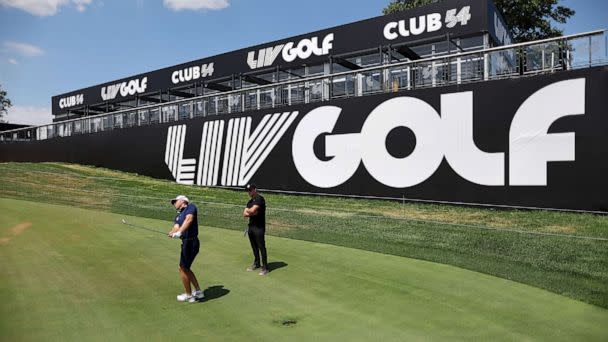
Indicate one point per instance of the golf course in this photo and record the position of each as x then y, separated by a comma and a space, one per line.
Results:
73, 274
329, 171
73, 270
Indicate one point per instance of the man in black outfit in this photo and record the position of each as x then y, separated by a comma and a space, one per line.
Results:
256, 212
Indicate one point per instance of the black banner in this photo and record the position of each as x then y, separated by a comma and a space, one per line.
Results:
539, 141
457, 17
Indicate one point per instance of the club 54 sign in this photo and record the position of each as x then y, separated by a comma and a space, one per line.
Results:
426, 23
71, 101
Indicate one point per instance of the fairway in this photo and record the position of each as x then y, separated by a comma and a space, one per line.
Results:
74, 274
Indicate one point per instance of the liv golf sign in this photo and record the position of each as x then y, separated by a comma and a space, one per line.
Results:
232, 150
530, 142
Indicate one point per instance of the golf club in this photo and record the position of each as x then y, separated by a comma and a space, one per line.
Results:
144, 228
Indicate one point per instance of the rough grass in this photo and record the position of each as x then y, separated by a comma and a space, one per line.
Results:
503, 243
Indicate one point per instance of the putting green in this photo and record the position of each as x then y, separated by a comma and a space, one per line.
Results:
74, 274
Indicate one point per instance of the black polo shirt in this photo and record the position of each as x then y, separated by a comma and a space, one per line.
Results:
258, 220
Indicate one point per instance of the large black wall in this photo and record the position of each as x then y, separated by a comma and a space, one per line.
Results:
570, 184
8, 126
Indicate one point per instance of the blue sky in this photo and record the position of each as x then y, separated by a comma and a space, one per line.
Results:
48, 47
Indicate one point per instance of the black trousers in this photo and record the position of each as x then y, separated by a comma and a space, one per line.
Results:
258, 245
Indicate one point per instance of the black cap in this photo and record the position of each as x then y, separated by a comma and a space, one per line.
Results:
250, 187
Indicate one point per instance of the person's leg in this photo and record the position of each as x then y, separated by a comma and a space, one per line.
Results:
254, 247
183, 273
261, 244
192, 279
189, 252
194, 248
198, 294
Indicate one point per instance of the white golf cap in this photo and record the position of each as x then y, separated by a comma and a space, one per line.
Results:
180, 197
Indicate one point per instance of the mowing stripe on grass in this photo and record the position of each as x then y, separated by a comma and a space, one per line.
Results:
412, 200
358, 215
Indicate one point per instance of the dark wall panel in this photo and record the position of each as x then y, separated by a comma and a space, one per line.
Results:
538, 118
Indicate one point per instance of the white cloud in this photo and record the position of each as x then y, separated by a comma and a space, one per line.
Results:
28, 115
81, 5
39, 8
12, 61
178, 5
23, 49
44, 8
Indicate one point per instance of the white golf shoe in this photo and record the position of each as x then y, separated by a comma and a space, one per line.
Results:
198, 295
184, 297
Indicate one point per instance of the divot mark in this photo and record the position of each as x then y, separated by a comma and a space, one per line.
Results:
16, 230
287, 322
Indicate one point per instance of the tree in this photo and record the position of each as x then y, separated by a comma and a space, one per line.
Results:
401, 5
5, 103
527, 19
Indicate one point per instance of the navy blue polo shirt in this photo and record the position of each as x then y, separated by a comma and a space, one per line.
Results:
192, 231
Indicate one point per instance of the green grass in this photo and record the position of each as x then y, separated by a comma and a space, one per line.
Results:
74, 274
476, 239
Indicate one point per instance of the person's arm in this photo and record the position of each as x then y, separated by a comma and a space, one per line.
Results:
248, 212
186, 224
175, 228
179, 230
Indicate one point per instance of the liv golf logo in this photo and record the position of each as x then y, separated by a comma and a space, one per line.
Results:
231, 153
129, 88
243, 150
290, 51
446, 136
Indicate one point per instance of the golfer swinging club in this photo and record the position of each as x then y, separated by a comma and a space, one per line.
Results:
186, 228
256, 212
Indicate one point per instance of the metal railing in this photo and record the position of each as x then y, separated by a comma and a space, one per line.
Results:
577, 51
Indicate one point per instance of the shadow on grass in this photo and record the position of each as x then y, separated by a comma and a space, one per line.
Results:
214, 292
275, 265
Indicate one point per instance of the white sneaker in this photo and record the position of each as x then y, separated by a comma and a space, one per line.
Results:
198, 295
184, 297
